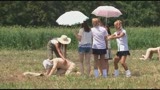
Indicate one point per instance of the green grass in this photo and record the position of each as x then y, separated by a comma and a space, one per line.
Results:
33, 38
145, 74
24, 49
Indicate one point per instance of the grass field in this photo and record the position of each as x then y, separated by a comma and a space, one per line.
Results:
145, 74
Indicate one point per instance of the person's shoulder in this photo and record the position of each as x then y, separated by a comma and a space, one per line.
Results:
103, 28
56, 59
55, 41
81, 29
93, 28
123, 29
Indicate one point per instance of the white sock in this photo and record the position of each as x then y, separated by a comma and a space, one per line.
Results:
116, 72
96, 73
104, 72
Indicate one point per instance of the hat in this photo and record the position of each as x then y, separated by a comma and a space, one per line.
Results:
64, 39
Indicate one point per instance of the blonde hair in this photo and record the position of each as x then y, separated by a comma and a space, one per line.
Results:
95, 21
118, 22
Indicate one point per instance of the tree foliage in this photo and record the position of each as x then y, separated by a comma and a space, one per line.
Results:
45, 13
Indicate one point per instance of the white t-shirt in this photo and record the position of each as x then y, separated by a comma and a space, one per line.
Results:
122, 42
86, 38
54, 41
99, 33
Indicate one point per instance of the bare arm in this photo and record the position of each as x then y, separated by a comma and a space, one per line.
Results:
113, 36
159, 53
55, 62
78, 37
59, 52
106, 42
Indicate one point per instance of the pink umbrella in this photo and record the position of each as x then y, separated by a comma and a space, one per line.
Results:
107, 11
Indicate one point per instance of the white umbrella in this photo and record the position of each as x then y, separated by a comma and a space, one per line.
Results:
107, 11
71, 18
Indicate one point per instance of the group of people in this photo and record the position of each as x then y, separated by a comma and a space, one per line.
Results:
94, 41
91, 41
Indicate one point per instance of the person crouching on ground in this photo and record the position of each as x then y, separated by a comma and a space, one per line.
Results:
56, 66
150, 52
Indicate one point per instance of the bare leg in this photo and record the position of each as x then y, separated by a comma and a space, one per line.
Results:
103, 65
107, 65
116, 60
70, 69
95, 61
99, 67
158, 53
81, 59
96, 73
122, 61
87, 59
149, 53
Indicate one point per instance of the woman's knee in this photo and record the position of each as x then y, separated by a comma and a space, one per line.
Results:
122, 62
116, 60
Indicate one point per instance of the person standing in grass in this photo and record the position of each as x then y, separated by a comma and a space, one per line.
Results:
121, 37
55, 44
99, 47
108, 46
84, 38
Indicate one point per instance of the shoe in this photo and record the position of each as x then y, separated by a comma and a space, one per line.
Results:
128, 73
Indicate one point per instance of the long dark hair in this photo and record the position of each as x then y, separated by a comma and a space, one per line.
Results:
85, 26
106, 26
108, 29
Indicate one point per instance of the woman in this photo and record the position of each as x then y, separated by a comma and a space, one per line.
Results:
108, 48
84, 47
149, 53
55, 45
121, 37
99, 47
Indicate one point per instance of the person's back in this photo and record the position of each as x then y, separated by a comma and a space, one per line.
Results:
60, 64
99, 34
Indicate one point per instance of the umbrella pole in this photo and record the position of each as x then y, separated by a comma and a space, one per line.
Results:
106, 21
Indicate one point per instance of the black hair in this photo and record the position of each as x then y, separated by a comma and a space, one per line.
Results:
85, 26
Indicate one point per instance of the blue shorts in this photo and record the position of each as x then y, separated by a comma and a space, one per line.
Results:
84, 49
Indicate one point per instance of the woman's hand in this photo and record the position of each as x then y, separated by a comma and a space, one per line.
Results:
65, 61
